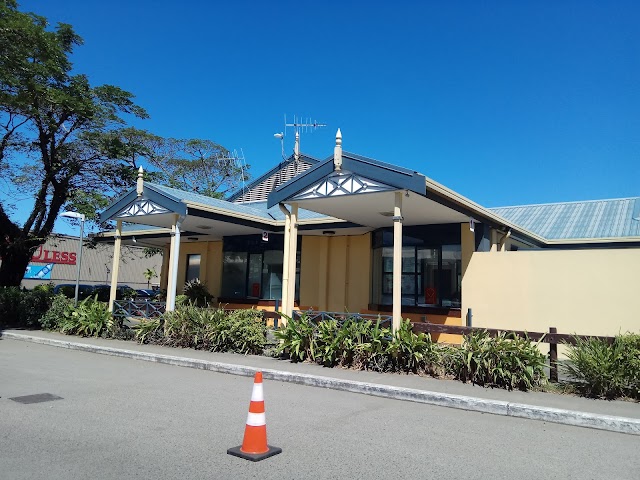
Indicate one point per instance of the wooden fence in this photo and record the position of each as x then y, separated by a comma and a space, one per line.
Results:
552, 337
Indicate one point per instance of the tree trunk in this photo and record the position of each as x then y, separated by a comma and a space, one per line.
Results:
15, 259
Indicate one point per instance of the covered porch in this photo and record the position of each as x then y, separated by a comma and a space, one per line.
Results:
422, 236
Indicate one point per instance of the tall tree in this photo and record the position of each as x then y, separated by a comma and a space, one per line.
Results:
56, 140
201, 166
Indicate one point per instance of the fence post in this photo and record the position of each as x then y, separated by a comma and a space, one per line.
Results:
553, 357
469, 317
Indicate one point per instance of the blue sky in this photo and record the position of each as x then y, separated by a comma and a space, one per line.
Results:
505, 102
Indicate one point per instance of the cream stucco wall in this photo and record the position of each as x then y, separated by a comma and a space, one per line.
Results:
467, 245
335, 272
210, 264
590, 292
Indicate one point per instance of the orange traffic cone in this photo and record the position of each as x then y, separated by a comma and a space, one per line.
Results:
254, 445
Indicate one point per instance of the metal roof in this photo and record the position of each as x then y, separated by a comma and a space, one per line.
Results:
391, 176
593, 219
184, 196
277, 214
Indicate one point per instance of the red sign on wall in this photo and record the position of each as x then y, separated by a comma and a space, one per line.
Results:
54, 256
430, 296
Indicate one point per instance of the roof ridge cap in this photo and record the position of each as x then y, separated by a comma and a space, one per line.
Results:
565, 203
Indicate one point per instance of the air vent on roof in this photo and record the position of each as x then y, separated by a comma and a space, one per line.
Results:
260, 192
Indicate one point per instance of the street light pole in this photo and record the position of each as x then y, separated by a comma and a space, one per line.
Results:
81, 217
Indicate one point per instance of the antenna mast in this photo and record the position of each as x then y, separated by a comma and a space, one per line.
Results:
239, 162
299, 126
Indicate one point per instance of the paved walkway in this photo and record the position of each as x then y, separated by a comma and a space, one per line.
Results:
540, 399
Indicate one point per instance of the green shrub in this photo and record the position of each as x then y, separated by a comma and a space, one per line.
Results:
499, 361
214, 329
60, 308
90, 318
350, 342
148, 331
410, 351
181, 300
631, 346
242, 331
373, 354
186, 326
356, 343
297, 338
604, 370
10, 307
35, 304
323, 339
45, 287
197, 293
23, 308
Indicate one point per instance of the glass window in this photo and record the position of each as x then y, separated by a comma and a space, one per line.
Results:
193, 267
272, 275
255, 275
428, 273
431, 267
451, 275
234, 274
377, 268
252, 268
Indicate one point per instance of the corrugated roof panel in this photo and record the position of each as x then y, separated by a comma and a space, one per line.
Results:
278, 215
258, 209
210, 201
593, 219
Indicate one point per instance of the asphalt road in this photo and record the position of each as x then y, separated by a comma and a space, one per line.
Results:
122, 419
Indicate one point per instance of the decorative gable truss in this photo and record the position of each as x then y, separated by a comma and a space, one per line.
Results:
344, 183
141, 207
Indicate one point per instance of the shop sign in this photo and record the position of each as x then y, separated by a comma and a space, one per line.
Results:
39, 272
54, 256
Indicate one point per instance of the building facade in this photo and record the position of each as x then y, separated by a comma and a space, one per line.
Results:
352, 234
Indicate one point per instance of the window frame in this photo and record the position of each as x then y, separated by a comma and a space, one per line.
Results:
420, 237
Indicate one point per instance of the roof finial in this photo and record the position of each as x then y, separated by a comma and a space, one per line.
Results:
296, 148
140, 184
337, 152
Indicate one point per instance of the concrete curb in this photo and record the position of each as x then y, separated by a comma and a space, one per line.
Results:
496, 407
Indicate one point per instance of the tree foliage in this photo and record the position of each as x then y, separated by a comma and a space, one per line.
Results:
65, 144
54, 146
196, 165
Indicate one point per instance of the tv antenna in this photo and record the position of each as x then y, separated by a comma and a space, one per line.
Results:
302, 125
299, 125
237, 159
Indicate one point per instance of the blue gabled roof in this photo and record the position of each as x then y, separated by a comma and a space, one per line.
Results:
182, 195
385, 173
277, 214
593, 219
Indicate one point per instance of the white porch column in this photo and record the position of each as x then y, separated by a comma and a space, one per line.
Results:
293, 254
170, 265
174, 255
116, 265
397, 262
285, 262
